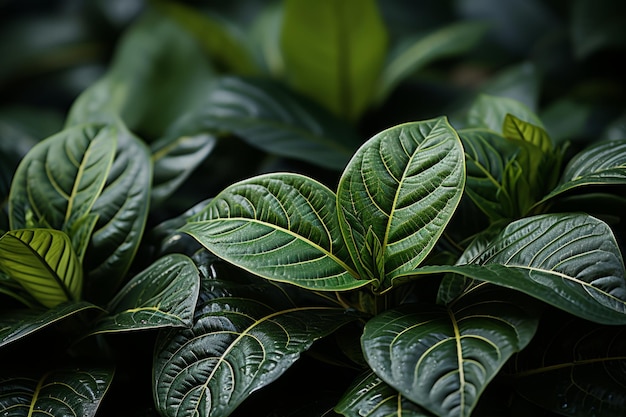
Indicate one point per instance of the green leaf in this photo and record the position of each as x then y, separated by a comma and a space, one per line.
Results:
162, 295
410, 56
282, 227
570, 261
237, 346
44, 263
174, 160
68, 392
334, 52
516, 129
271, 118
443, 358
602, 163
59, 180
576, 370
489, 112
403, 184
370, 396
17, 324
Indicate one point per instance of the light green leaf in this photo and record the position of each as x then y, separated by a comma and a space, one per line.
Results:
44, 263
236, 346
571, 261
404, 185
334, 51
69, 392
283, 227
17, 324
603, 163
370, 396
516, 129
443, 358
489, 112
408, 57
162, 295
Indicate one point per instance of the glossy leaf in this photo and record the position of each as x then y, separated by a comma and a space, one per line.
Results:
236, 346
443, 358
370, 396
44, 263
62, 392
603, 163
334, 52
271, 118
577, 370
163, 295
59, 180
282, 227
489, 112
17, 324
174, 160
571, 261
409, 57
397, 194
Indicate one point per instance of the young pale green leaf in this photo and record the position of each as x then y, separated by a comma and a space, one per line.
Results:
516, 129
236, 346
397, 195
44, 263
489, 112
273, 119
577, 369
59, 180
443, 358
334, 52
571, 261
68, 392
603, 163
17, 324
163, 295
174, 159
282, 227
409, 57
370, 396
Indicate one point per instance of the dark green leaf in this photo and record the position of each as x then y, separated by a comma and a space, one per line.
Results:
44, 263
163, 295
571, 261
597, 25
237, 346
397, 194
334, 52
62, 392
443, 358
282, 227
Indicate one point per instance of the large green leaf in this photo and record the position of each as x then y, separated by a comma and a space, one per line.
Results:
271, 118
412, 55
62, 392
59, 180
602, 163
577, 369
489, 112
44, 263
397, 194
571, 261
334, 51
443, 358
236, 346
17, 324
283, 227
370, 396
163, 295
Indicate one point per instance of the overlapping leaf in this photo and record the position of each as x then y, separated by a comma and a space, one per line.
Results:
443, 358
163, 295
236, 346
71, 392
489, 112
397, 194
571, 261
44, 263
283, 227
